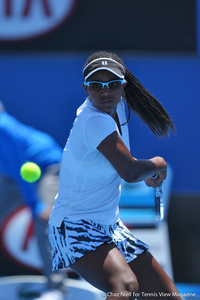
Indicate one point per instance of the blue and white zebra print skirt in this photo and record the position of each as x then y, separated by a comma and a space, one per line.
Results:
76, 238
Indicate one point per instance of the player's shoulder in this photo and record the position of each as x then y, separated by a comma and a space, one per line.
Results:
88, 111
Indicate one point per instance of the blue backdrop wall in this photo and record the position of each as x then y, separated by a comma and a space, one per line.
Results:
44, 91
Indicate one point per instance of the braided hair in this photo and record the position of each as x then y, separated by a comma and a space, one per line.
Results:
140, 101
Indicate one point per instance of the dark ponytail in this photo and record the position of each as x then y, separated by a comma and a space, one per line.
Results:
147, 107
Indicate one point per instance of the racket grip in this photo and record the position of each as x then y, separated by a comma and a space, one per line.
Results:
159, 204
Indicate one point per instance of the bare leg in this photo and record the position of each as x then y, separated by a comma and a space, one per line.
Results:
154, 283
106, 269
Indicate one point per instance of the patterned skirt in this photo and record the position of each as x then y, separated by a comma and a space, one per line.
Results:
76, 238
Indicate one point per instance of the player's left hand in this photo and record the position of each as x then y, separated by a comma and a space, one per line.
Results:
156, 182
153, 182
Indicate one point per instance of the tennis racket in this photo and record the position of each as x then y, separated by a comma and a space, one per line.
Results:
159, 204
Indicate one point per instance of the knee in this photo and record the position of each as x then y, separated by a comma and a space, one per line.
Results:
125, 287
131, 285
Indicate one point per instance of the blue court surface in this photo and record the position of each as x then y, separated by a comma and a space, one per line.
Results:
24, 287
27, 287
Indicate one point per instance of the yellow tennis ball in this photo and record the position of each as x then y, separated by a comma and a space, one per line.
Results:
30, 172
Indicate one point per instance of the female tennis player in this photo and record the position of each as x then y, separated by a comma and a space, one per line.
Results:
85, 231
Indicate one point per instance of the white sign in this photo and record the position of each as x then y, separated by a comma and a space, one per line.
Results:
25, 19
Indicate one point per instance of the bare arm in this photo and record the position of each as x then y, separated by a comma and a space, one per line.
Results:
129, 168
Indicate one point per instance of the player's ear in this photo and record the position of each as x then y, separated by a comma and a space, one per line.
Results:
85, 88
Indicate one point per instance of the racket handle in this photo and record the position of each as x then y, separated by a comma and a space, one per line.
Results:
159, 204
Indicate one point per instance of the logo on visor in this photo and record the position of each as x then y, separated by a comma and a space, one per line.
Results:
25, 19
104, 62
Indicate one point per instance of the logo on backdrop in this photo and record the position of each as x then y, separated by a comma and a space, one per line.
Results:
25, 19
18, 240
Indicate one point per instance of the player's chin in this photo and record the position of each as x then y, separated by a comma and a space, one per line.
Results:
108, 107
